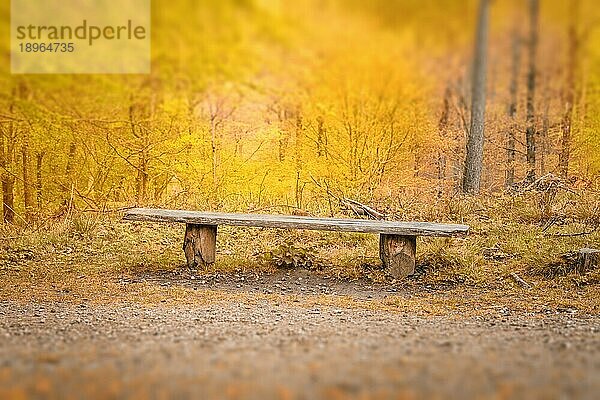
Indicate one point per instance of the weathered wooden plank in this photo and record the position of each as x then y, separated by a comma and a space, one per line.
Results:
296, 222
398, 254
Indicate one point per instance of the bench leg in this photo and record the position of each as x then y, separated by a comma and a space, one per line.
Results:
398, 254
200, 245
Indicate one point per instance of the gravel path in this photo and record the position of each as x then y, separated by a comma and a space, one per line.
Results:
269, 350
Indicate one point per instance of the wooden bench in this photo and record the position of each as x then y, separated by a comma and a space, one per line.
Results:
397, 240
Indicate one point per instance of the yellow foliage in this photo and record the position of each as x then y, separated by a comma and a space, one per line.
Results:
261, 102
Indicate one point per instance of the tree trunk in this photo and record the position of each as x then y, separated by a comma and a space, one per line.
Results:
8, 199
531, 75
474, 152
27, 185
142, 179
321, 138
213, 146
567, 121
512, 110
299, 141
443, 131
284, 136
69, 176
2, 169
298, 150
544, 137
38, 174
8, 179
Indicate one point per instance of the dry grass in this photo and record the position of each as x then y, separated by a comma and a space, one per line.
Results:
85, 257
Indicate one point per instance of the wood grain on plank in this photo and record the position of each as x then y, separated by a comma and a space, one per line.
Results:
296, 222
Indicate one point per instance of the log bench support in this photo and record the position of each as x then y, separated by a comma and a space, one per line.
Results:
587, 260
200, 245
398, 254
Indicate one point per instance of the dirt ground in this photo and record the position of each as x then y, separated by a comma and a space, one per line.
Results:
286, 347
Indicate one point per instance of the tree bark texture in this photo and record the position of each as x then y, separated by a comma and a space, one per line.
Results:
398, 254
474, 152
200, 245
512, 110
531, 78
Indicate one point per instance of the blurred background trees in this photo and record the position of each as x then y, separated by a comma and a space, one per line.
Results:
261, 103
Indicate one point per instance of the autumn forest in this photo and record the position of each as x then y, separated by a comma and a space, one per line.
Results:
258, 103
382, 199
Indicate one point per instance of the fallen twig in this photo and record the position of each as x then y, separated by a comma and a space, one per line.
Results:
520, 280
366, 209
582, 233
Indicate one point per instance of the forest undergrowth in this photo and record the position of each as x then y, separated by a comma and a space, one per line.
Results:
521, 242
